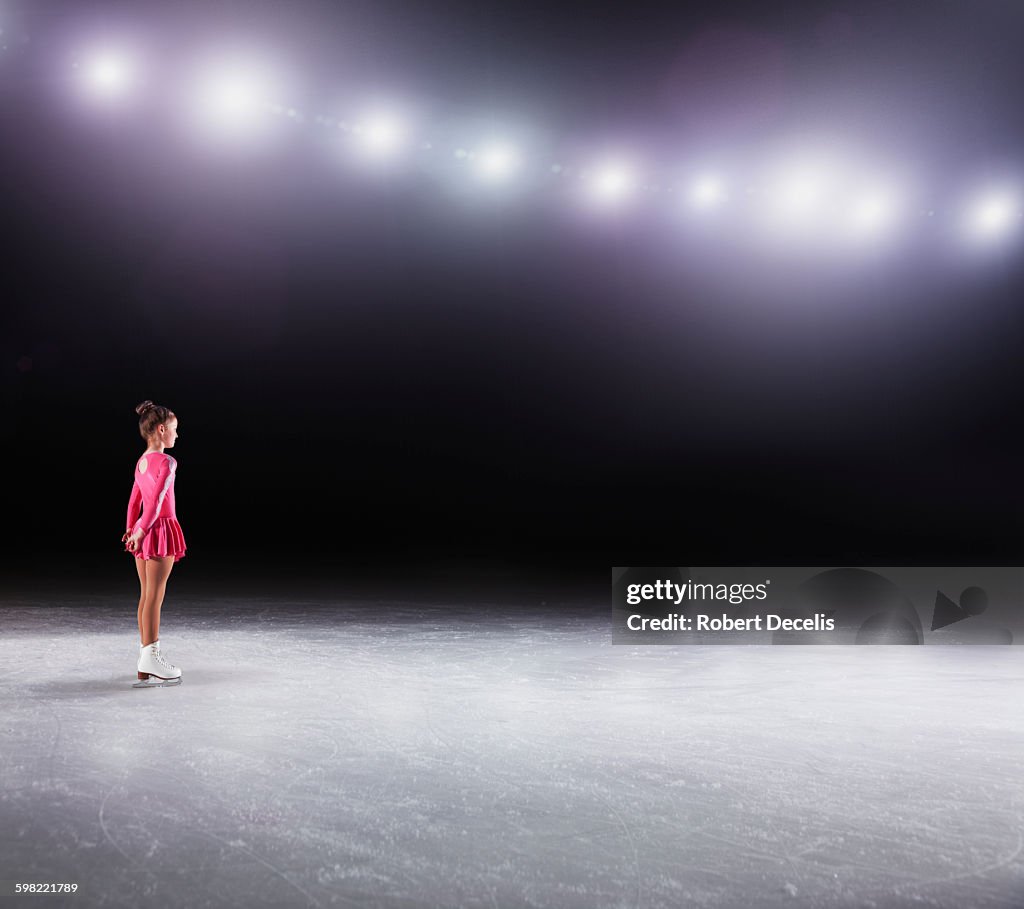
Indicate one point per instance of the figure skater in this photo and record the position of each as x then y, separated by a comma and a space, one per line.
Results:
154, 537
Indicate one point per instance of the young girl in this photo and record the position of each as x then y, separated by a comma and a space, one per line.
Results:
154, 537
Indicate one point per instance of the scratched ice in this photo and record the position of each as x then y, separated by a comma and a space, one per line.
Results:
403, 755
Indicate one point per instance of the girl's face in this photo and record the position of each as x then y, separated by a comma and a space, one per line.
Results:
166, 433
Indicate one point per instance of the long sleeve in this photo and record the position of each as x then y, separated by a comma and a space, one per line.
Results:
134, 504
154, 489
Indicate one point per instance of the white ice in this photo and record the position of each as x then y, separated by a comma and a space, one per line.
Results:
403, 755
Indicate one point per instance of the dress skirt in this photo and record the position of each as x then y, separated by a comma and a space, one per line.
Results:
164, 538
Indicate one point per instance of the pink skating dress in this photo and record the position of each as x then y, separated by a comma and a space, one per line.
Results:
153, 492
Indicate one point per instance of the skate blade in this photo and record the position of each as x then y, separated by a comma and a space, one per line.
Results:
153, 682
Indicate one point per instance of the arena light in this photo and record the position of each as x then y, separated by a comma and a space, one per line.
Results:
380, 135
231, 98
993, 216
873, 213
108, 74
497, 162
707, 192
799, 195
235, 96
611, 182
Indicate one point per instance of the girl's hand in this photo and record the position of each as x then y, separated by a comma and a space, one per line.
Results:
131, 540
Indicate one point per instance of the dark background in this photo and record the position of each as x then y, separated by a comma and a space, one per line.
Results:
395, 380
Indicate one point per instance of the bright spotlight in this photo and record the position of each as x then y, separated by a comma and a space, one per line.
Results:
993, 216
232, 99
611, 182
497, 162
380, 135
799, 195
873, 213
707, 192
108, 75
235, 96
800, 191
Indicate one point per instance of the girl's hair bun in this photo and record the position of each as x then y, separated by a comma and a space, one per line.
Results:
151, 416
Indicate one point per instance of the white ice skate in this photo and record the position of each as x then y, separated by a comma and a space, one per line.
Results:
154, 670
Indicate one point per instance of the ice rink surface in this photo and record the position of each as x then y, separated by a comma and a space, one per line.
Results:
389, 754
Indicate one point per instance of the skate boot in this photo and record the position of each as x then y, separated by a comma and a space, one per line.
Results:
154, 670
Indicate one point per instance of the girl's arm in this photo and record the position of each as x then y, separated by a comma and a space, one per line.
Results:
153, 493
134, 504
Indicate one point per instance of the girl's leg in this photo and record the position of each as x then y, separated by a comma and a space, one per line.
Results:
157, 572
140, 565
